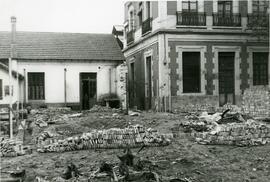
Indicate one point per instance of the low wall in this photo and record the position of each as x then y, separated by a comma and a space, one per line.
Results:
194, 103
256, 101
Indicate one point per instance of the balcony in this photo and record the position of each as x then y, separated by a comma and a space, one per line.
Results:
147, 26
232, 20
191, 19
130, 36
258, 20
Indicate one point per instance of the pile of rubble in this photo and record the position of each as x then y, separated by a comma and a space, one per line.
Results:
11, 148
99, 108
227, 128
249, 133
43, 117
133, 136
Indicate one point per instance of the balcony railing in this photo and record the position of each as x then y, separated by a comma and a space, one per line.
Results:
130, 36
232, 20
259, 20
146, 26
193, 19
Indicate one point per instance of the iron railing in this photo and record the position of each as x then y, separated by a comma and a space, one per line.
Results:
193, 19
147, 26
258, 19
232, 20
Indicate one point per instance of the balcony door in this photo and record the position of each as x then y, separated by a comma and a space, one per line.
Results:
224, 8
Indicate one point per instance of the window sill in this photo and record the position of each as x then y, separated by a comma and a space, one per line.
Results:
37, 101
227, 27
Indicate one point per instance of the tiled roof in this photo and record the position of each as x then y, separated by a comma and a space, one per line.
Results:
75, 46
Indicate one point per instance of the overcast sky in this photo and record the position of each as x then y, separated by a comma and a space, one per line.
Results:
84, 16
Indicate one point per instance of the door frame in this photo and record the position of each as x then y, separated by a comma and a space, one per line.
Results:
148, 53
80, 87
225, 94
237, 61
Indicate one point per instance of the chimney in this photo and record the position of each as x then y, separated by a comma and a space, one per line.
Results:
13, 37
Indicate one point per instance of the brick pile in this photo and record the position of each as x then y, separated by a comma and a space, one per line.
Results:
133, 136
256, 101
11, 148
249, 133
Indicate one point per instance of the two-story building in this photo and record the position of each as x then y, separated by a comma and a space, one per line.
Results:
194, 51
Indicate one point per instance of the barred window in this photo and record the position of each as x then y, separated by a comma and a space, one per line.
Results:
36, 86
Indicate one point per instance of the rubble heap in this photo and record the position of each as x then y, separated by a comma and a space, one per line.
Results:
99, 108
256, 101
248, 133
10, 148
133, 136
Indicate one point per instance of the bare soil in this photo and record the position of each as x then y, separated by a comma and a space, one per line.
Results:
183, 158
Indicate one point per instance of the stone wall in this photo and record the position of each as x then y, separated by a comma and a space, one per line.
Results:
194, 103
256, 101
121, 71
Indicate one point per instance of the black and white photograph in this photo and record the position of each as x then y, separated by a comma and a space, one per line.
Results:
134, 91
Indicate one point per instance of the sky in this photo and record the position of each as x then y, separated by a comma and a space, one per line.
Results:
80, 16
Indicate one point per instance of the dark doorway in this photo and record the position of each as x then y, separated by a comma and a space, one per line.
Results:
88, 93
226, 77
148, 83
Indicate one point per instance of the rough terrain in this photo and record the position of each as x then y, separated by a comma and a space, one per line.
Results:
183, 159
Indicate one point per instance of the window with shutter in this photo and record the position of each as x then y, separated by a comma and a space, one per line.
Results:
36, 90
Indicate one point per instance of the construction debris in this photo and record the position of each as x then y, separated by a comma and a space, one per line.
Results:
133, 136
11, 148
248, 133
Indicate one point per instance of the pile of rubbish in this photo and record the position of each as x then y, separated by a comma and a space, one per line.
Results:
249, 133
133, 136
11, 148
43, 117
227, 128
99, 108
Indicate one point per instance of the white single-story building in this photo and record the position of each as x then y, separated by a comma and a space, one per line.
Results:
71, 69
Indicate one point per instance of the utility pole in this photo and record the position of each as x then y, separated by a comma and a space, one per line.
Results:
12, 52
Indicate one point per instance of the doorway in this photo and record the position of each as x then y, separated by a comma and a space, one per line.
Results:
148, 83
88, 90
226, 78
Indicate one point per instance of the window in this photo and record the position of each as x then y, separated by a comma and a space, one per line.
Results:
260, 68
131, 21
189, 6
36, 86
1, 89
225, 8
191, 72
140, 18
259, 6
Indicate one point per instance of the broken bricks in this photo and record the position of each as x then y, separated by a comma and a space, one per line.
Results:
133, 136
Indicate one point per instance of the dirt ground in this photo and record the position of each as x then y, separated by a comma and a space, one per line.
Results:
183, 158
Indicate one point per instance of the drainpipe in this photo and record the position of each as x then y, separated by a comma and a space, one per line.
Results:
12, 52
24, 86
110, 80
65, 85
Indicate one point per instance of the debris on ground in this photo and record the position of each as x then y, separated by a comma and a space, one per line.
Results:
11, 148
133, 136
